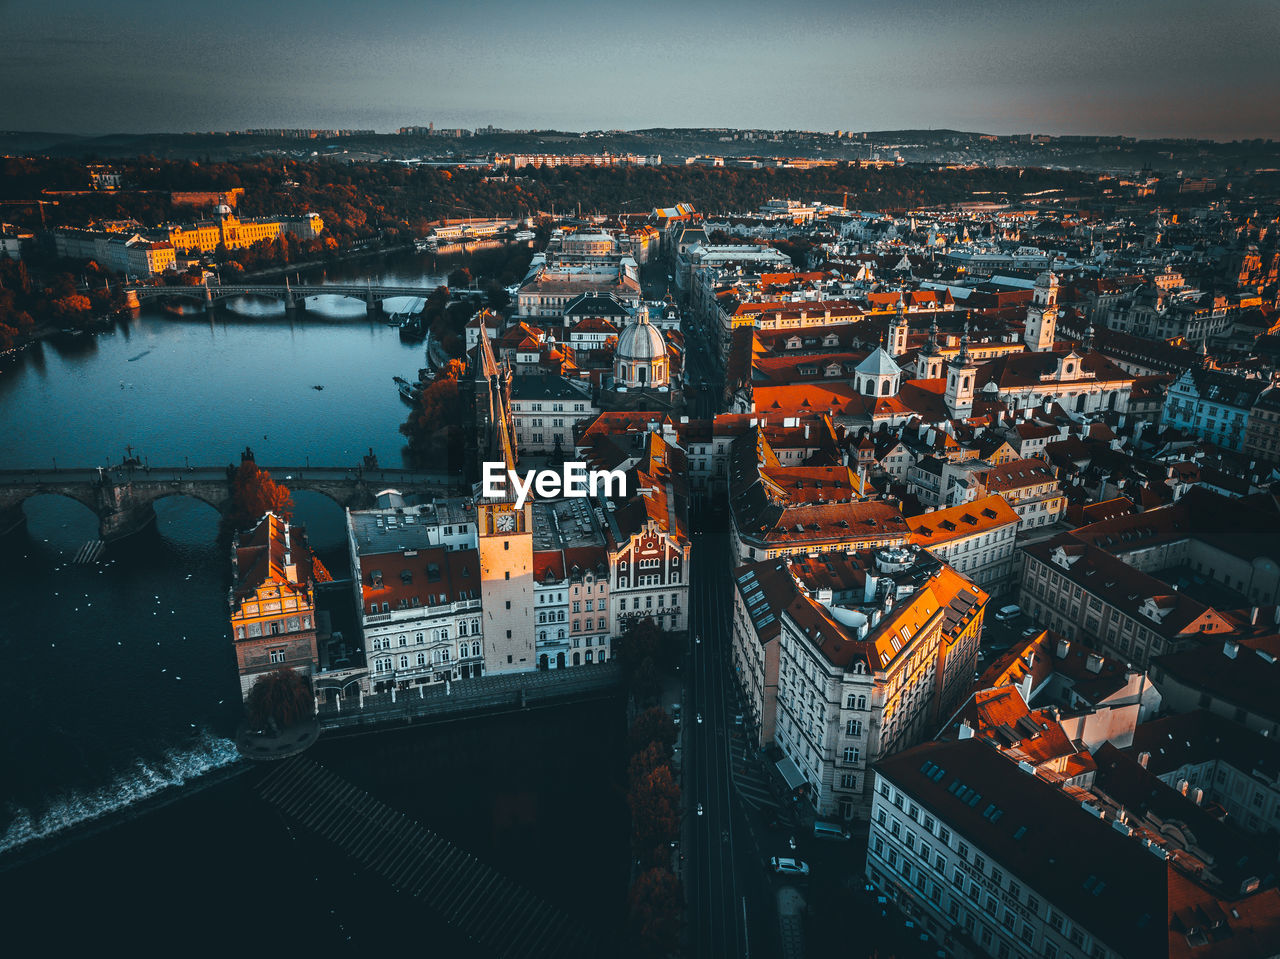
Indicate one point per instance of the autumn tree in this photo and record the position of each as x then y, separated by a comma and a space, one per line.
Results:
654, 801
654, 908
652, 726
644, 761
255, 493
280, 699
434, 426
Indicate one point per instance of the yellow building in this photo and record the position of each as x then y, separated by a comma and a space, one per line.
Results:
235, 233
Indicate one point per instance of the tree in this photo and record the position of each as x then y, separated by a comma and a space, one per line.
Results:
641, 640
255, 493
654, 801
434, 426
652, 726
646, 760
645, 683
280, 699
653, 914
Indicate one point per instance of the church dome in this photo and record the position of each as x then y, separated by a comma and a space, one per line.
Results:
878, 363
640, 358
641, 342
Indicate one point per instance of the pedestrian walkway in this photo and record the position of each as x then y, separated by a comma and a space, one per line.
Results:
502, 918
490, 694
791, 909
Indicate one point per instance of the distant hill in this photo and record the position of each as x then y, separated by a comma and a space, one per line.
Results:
16, 141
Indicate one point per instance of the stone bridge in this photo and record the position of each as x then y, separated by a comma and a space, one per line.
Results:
293, 297
124, 497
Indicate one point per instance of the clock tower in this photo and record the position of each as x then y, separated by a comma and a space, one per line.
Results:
506, 583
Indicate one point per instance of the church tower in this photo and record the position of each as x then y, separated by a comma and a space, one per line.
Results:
929, 359
898, 333
961, 374
1042, 314
506, 582
505, 535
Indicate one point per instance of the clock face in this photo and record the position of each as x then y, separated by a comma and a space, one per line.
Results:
504, 522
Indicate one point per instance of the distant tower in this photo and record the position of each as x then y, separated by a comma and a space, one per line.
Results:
1087, 346
898, 332
929, 359
1042, 314
961, 374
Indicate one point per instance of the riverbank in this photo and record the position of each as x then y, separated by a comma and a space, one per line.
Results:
349, 257
537, 796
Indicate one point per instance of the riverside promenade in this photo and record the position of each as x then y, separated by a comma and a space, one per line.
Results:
484, 694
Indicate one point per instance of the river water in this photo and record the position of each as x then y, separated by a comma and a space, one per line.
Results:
120, 686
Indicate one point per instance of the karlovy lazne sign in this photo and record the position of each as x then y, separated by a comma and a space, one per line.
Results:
572, 480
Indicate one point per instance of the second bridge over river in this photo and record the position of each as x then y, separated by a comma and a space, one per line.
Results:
292, 296
124, 497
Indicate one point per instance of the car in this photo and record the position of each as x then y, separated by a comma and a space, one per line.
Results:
1030, 631
788, 866
699, 809
1006, 613
699, 719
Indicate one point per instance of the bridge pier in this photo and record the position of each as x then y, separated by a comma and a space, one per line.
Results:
131, 300
13, 519
373, 308
122, 523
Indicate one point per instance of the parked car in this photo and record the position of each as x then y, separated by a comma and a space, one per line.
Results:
789, 867
1006, 613
829, 830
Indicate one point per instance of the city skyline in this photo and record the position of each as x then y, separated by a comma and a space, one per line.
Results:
1091, 69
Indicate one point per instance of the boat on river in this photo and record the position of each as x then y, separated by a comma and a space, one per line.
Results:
408, 391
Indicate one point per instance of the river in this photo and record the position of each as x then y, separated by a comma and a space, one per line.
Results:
121, 686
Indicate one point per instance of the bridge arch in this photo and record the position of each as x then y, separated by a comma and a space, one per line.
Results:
49, 514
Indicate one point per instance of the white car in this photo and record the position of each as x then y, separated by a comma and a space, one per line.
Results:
789, 867
699, 809
699, 719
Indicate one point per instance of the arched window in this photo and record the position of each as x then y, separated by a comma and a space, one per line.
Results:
560, 635
422, 659
475, 649
884, 388
542, 635
404, 662
404, 640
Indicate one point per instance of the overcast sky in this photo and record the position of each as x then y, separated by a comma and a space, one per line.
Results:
1137, 67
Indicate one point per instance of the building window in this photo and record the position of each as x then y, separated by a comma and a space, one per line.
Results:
277, 655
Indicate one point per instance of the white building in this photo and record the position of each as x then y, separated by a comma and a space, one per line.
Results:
415, 572
990, 859
849, 658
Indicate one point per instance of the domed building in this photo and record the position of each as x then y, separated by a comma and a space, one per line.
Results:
640, 360
878, 374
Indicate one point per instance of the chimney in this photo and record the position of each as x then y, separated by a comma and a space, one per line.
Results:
1094, 663
966, 731
1253, 616
1064, 647
1230, 648
806, 430
1143, 759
